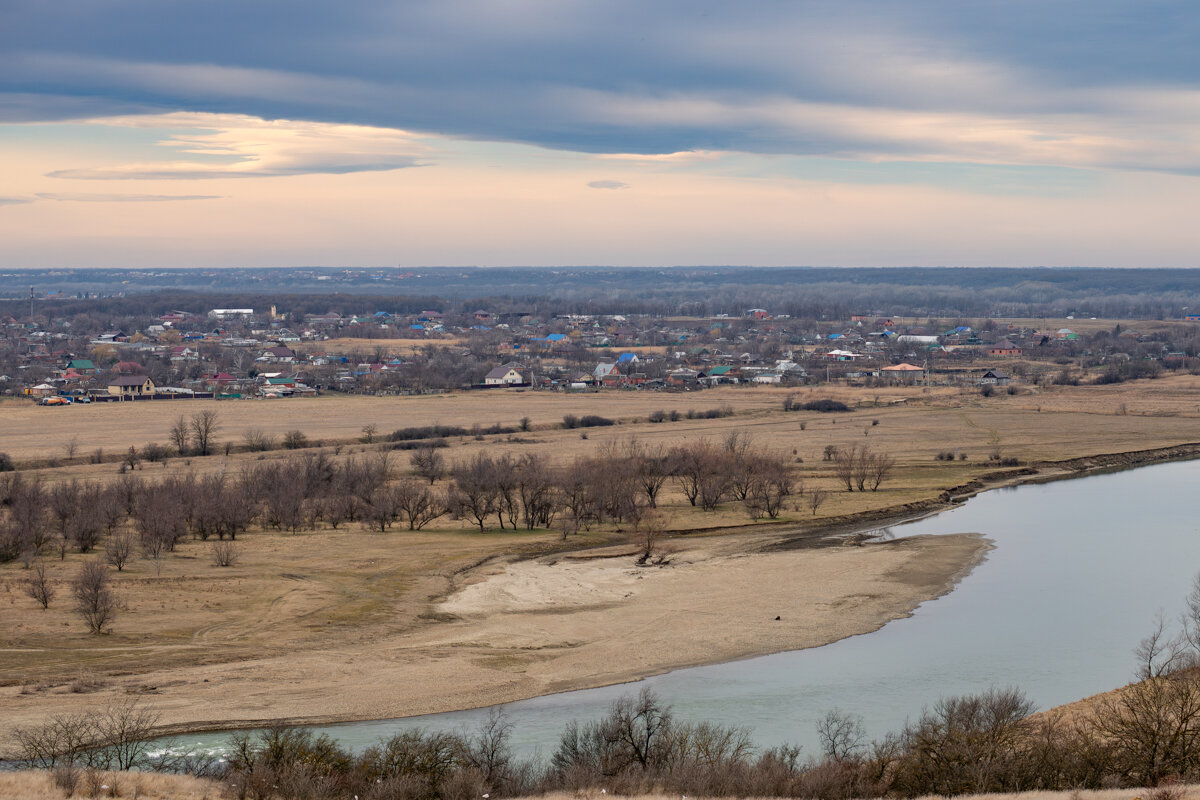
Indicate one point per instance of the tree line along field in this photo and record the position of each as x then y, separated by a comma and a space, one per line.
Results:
295, 588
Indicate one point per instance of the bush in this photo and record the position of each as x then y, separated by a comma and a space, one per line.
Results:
657, 416
825, 406
154, 452
6, 463
442, 431
295, 440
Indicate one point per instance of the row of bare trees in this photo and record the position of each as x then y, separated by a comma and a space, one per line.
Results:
862, 468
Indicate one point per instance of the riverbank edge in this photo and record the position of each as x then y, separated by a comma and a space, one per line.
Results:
844, 526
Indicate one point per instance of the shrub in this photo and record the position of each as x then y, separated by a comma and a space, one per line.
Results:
295, 440
657, 416
154, 452
825, 406
6, 463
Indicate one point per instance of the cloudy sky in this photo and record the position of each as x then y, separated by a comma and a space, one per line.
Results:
529, 132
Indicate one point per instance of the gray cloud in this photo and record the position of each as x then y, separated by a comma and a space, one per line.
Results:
123, 198
15, 201
625, 76
608, 185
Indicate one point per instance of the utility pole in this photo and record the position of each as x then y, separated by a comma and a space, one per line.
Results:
30, 305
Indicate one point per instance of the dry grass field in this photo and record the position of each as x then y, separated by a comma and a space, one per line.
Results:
40, 785
357, 624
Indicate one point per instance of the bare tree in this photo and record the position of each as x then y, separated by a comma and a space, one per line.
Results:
474, 495
880, 467
368, 433
537, 492
119, 549
1159, 654
204, 426
38, 585
417, 504
846, 465
256, 440
295, 440
224, 552
180, 434
94, 600
428, 463
841, 734
816, 498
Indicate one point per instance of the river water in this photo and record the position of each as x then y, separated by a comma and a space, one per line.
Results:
1079, 572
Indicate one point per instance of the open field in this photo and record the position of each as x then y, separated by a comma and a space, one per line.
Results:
356, 624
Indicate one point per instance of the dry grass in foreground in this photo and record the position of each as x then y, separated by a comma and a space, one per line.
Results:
1176, 792
40, 784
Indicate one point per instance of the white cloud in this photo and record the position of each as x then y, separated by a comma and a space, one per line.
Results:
237, 146
607, 185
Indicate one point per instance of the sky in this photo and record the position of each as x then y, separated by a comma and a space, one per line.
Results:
177, 133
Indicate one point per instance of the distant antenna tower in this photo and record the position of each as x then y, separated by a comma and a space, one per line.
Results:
31, 304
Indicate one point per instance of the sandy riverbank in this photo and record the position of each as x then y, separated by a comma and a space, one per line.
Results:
508, 631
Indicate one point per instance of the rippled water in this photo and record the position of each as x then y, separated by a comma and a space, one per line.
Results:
1079, 571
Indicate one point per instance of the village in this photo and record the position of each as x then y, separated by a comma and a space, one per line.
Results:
239, 352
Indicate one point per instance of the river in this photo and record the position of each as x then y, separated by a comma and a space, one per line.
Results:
1079, 572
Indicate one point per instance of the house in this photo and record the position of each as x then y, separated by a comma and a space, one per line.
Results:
903, 373
1004, 347
83, 366
131, 386
994, 377
231, 313
604, 370
279, 355
768, 377
719, 374
508, 375
628, 358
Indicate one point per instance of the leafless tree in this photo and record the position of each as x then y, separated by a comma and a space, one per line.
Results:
652, 468
538, 494
690, 464
880, 467
816, 498
382, 509
846, 465
428, 463
94, 599
119, 549
38, 586
841, 734
368, 433
295, 440
418, 504
474, 494
224, 552
124, 729
180, 435
1159, 653
204, 426
256, 440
